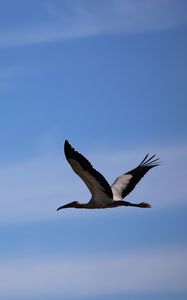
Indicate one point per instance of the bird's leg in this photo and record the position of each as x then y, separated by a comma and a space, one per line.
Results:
142, 204
126, 203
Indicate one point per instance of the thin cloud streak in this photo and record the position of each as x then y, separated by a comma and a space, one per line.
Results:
33, 190
10, 75
159, 270
108, 17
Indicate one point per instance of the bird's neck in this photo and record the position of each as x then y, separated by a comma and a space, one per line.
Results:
82, 205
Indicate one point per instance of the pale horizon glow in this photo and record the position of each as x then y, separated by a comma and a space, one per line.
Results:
162, 271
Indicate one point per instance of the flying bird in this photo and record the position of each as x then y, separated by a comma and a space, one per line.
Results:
104, 195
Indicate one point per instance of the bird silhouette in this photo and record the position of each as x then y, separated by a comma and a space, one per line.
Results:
104, 195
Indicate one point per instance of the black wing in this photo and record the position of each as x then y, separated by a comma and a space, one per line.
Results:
125, 183
95, 181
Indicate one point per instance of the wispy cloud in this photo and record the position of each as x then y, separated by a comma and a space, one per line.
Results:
158, 270
10, 75
25, 185
34, 189
6, 74
75, 19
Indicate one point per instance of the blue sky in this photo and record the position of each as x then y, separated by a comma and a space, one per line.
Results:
111, 77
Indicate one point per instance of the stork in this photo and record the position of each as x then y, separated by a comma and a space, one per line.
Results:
104, 195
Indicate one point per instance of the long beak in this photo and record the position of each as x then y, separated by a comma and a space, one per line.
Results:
71, 204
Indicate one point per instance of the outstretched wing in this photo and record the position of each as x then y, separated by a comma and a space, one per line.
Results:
95, 181
125, 183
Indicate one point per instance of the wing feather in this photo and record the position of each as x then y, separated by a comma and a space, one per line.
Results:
94, 180
125, 183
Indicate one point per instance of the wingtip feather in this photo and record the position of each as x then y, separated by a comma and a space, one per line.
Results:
150, 161
66, 143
